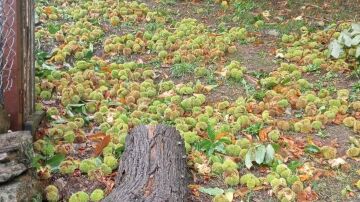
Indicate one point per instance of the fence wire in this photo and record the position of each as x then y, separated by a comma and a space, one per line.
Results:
7, 45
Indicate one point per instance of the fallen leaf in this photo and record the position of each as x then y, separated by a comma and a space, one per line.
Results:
101, 145
263, 134
242, 192
97, 136
304, 177
307, 195
339, 119
47, 10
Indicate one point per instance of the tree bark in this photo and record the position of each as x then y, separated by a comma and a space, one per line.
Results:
152, 167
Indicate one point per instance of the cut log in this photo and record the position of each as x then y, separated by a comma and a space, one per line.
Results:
152, 167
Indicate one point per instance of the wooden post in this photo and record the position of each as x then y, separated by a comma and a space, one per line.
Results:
13, 95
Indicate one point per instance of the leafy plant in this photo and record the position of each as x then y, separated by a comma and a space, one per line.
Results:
254, 129
212, 143
349, 38
260, 154
259, 74
249, 89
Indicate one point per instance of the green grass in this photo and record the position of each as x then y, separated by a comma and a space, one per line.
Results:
182, 69
289, 27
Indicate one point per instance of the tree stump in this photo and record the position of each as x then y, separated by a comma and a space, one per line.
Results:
152, 167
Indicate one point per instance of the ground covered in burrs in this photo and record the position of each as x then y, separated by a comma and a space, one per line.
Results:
265, 95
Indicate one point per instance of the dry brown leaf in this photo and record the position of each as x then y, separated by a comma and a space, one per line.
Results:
307, 195
263, 134
101, 145
339, 119
241, 192
47, 10
97, 136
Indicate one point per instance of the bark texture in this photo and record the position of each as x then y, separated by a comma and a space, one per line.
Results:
152, 167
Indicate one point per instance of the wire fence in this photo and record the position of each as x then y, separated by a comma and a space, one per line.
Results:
7, 43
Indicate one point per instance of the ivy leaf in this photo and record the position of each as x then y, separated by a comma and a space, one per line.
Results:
55, 161
335, 49
212, 191
260, 154
312, 149
248, 159
270, 153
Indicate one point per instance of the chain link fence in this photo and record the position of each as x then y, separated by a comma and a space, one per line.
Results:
7, 43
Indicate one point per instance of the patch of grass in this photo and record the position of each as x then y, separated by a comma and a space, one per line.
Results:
259, 95
259, 74
182, 69
262, 54
290, 27
243, 12
244, 7
254, 129
153, 26
210, 77
155, 63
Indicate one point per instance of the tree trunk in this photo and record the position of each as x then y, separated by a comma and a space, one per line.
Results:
152, 167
